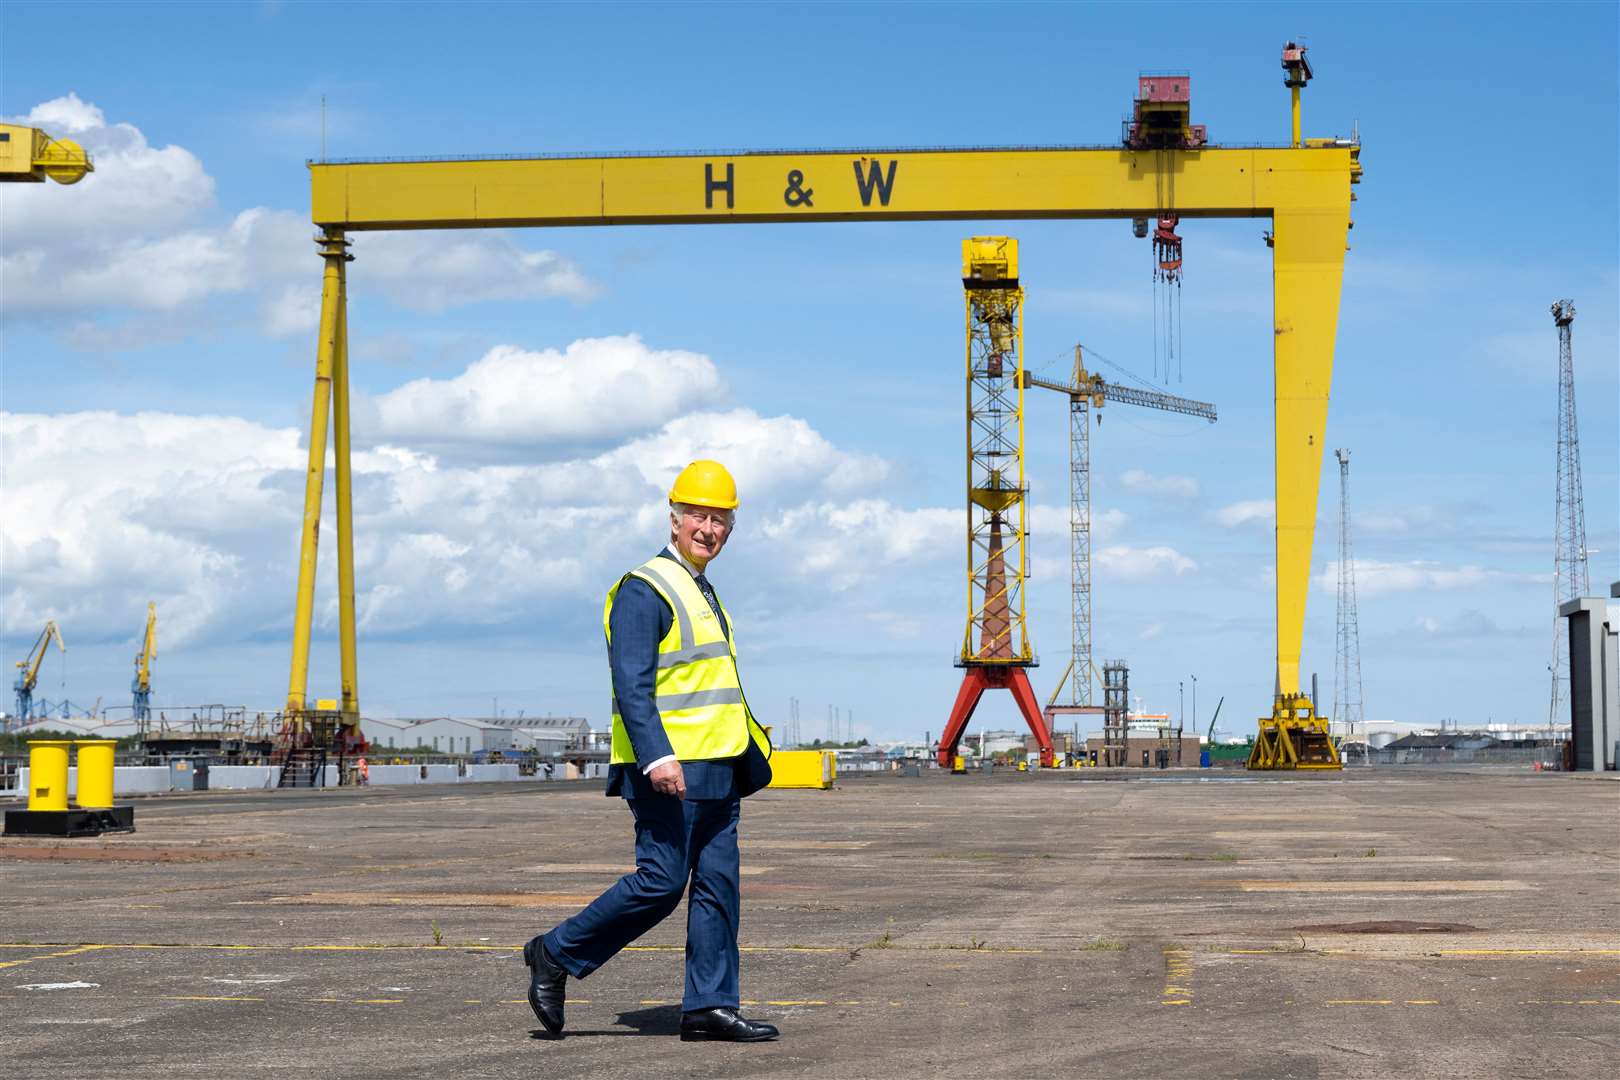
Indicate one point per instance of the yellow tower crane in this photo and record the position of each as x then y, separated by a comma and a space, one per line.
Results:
1086, 392
1303, 186
28, 671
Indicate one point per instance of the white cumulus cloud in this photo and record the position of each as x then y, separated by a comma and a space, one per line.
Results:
1135, 564
1182, 486
1242, 513
595, 388
144, 233
1374, 576
105, 511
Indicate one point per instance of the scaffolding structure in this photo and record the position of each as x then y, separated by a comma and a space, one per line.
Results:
1116, 711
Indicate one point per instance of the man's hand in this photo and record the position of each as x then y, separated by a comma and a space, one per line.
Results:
669, 779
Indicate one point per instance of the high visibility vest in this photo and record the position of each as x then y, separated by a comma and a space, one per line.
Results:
697, 692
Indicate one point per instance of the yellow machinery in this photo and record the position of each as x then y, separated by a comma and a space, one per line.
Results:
142, 686
1303, 188
28, 671
30, 156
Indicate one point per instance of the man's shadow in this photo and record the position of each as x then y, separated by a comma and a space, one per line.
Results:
656, 1020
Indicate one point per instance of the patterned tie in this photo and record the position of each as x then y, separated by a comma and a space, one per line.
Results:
714, 604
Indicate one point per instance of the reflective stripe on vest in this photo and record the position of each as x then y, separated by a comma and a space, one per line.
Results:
697, 692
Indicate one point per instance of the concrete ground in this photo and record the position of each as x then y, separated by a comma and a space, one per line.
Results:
1374, 923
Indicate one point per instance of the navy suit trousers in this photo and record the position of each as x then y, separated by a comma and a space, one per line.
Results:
677, 841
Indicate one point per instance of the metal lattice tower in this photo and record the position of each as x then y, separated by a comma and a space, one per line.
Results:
1570, 576
1347, 706
1080, 547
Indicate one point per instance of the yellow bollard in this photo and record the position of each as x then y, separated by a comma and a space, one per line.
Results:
48, 774
95, 773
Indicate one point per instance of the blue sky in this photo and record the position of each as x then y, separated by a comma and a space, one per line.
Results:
157, 355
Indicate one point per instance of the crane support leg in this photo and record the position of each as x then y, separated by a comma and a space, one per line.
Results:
1308, 268
334, 251
350, 702
975, 681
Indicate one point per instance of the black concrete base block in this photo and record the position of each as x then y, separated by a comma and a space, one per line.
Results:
70, 822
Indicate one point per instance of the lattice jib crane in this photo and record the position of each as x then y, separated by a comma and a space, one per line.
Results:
28, 670
141, 688
1087, 390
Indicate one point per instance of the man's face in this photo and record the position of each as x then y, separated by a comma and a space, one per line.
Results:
699, 532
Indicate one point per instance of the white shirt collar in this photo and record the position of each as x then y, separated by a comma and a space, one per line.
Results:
676, 552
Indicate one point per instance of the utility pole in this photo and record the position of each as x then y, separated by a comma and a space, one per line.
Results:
1347, 703
1570, 576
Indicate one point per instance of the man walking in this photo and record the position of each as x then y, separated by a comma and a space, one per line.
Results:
686, 751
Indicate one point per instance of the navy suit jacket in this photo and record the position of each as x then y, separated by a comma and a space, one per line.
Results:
639, 621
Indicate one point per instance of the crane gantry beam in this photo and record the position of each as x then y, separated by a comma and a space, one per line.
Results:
1304, 189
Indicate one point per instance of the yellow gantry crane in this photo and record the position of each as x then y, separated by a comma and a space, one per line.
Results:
1302, 186
1086, 391
28, 670
142, 686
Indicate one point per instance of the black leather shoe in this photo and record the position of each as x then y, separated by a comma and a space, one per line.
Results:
724, 1025
547, 979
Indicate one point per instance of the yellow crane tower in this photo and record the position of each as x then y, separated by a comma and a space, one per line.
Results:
28, 671
995, 649
1167, 169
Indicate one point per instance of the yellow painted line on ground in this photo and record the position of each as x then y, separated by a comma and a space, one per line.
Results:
1178, 971
795, 1003
1358, 1001
70, 951
1422, 1002
377, 1001
197, 997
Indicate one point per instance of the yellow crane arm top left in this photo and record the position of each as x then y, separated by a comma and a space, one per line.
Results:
30, 156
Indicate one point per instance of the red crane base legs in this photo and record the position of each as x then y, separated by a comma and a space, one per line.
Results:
975, 681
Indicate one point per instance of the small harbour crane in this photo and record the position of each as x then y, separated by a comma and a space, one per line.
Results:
142, 686
28, 671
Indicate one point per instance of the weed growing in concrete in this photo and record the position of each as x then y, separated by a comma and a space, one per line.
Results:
1217, 856
438, 935
1369, 853
1103, 945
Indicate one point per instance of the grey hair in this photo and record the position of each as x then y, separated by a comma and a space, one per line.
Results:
676, 509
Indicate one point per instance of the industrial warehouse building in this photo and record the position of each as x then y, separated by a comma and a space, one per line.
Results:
545, 735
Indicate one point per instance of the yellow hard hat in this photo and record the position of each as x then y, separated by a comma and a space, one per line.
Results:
705, 483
